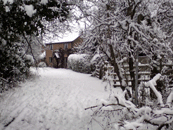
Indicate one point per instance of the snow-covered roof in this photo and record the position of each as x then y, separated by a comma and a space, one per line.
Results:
66, 38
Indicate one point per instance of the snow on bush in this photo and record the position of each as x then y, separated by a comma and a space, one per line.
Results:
42, 64
79, 63
10, 1
119, 113
29, 10
44, 2
42, 55
15, 65
94, 62
96, 59
29, 58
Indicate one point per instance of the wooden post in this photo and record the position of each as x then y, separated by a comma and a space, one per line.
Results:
136, 79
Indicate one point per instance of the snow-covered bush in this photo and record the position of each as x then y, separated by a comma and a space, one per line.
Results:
97, 60
94, 61
79, 63
97, 65
118, 113
42, 64
15, 63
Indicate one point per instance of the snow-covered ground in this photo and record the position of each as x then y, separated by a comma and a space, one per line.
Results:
54, 100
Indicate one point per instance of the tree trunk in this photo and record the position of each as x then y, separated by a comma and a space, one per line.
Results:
116, 67
132, 73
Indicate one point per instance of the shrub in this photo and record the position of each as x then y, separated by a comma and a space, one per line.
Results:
79, 63
14, 65
42, 64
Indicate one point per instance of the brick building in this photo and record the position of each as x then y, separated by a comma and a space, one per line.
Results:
58, 52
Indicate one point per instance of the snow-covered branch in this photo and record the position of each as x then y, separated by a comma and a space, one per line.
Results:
170, 99
152, 83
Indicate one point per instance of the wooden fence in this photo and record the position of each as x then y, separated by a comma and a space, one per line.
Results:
144, 74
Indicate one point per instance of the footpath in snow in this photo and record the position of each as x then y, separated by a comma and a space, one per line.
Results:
54, 100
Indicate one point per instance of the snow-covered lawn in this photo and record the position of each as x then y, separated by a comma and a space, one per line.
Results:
54, 100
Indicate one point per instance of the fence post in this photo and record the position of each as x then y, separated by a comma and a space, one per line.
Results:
136, 79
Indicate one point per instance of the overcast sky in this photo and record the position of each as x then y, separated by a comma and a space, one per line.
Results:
77, 27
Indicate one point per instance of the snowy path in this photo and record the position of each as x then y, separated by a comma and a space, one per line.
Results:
53, 101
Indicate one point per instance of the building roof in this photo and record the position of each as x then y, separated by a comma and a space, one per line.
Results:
58, 42
65, 39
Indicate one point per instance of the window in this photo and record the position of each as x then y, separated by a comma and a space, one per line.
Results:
50, 59
51, 47
66, 46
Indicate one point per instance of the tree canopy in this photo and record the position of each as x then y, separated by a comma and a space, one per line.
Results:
22, 23
120, 28
20, 17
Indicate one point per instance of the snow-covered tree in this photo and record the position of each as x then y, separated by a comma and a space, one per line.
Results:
118, 113
22, 24
121, 30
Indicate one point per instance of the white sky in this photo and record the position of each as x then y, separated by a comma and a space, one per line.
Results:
74, 33
67, 36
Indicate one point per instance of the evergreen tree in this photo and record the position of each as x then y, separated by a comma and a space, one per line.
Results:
21, 23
